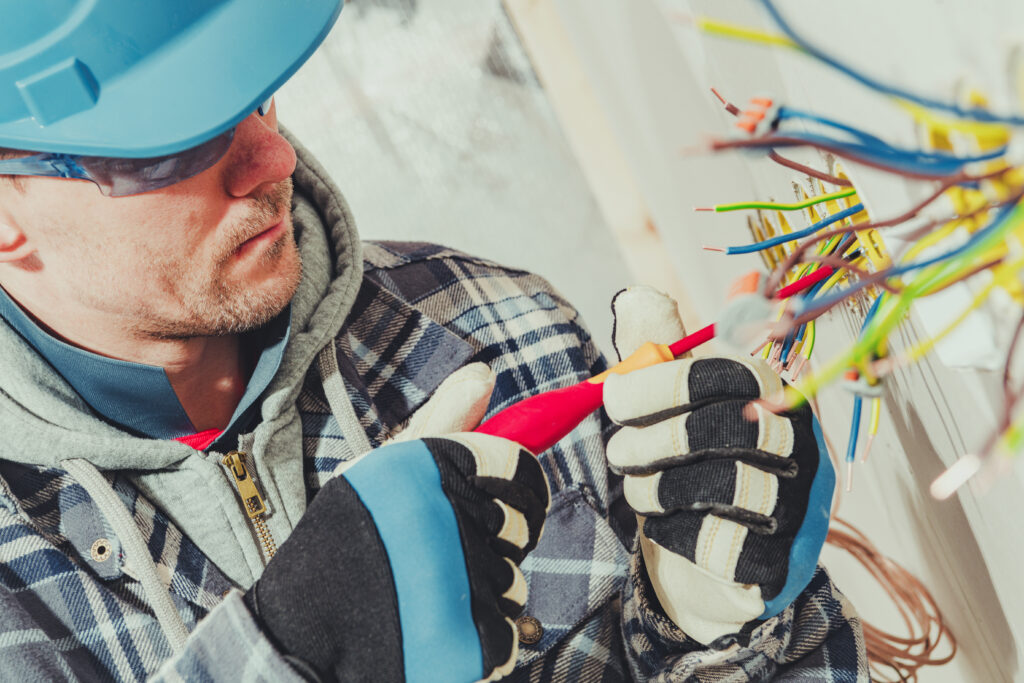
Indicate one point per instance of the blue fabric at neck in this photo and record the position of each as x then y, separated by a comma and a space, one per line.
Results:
137, 397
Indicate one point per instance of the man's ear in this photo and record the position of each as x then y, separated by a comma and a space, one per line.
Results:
14, 246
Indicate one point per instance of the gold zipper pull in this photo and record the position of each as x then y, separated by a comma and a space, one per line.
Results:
235, 460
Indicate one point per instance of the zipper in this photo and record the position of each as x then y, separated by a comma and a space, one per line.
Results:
251, 500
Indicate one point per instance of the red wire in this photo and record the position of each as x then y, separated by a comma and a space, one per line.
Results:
805, 282
707, 333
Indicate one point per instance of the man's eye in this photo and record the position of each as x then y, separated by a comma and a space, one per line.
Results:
264, 108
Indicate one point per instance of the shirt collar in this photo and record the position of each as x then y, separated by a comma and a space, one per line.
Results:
139, 397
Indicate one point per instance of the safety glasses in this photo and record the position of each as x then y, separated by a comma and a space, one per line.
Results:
117, 177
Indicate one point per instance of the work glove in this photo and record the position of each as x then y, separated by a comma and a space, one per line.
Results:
405, 567
733, 511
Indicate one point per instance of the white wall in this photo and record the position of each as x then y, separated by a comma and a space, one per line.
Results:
428, 116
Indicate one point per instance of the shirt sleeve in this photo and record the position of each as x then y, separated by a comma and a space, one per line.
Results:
227, 646
817, 638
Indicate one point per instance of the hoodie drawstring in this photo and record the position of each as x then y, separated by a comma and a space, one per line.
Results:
134, 545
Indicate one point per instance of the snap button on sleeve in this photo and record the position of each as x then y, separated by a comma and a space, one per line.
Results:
102, 549
530, 630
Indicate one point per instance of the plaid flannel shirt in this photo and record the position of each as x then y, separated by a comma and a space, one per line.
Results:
422, 312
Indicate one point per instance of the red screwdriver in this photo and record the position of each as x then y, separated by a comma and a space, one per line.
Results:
537, 423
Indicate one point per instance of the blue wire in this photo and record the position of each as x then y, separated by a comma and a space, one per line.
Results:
974, 113
791, 113
786, 346
858, 402
851, 445
790, 236
911, 160
906, 268
868, 139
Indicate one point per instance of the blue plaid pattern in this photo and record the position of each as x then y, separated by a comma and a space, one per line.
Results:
422, 312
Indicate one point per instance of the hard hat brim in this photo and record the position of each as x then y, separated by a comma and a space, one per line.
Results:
193, 89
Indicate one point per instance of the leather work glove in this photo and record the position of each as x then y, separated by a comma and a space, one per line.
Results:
733, 513
405, 567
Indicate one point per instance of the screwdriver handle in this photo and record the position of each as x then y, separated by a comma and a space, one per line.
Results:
539, 422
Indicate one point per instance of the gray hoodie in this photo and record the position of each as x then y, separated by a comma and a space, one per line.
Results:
44, 422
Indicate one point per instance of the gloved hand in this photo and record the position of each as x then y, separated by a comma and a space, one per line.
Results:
733, 512
405, 567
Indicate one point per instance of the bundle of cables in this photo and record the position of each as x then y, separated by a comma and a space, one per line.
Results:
983, 236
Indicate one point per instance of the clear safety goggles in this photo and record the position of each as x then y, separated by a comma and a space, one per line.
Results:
118, 177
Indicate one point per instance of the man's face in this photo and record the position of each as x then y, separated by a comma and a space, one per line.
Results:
211, 255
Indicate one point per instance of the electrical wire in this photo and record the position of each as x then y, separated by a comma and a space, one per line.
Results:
869, 139
916, 353
876, 414
793, 113
791, 236
927, 634
981, 128
749, 35
771, 282
892, 162
780, 206
783, 161
973, 113
858, 404
977, 238
803, 168
851, 445
894, 307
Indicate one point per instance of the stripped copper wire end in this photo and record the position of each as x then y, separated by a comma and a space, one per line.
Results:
799, 368
867, 448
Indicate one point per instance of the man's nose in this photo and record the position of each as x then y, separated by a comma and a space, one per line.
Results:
259, 158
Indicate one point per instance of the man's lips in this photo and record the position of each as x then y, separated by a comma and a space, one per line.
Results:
268, 236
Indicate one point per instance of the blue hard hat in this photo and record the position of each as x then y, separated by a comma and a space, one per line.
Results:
133, 78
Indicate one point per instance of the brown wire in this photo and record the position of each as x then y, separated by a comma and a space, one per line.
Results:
773, 280
781, 160
891, 657
804, 168
786, 141
927, 634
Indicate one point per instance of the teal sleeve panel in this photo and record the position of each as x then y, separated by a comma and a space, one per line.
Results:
424, 547
806, 548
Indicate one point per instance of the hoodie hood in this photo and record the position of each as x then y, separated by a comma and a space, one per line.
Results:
43, 421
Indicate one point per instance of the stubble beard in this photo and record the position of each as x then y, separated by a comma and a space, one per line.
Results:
219, 306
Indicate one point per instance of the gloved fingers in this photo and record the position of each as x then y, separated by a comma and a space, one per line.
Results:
518, 500
650, 395
644, 314
715, 544
498, 592
513, 599
704, 605
457, 405
715, 431
493, 457
509, 532
502, 487
497, 668
728, 489
514, 527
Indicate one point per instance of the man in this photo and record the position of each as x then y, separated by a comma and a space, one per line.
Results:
236, 440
